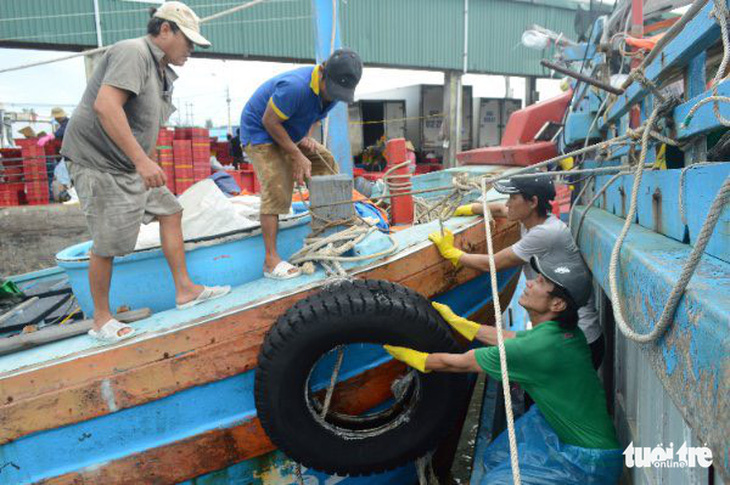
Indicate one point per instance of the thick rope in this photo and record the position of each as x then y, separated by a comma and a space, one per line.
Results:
667, 315
500, 339
682, 213
720, 12
333, 381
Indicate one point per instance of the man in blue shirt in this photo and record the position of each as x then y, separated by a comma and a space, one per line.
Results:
275, 131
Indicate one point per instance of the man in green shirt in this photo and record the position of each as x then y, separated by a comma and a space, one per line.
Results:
551, 361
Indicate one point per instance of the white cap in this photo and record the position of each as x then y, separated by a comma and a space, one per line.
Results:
185, 18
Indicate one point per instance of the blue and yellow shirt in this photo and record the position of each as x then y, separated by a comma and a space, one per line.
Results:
294, 96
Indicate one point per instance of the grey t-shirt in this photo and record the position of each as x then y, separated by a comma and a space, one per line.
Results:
553, 237
134, 66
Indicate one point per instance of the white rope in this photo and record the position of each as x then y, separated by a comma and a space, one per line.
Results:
333, 381
231, 10
500, 339
720, 12
670, 308
103, 49
681, 188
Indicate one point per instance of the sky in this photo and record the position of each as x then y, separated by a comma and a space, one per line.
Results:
200, 92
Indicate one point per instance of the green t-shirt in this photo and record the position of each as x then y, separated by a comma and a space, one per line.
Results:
554, 366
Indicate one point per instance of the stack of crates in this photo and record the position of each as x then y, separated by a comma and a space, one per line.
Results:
222, 152
35, 173
12, 189
182, 152
165, 156
201, 154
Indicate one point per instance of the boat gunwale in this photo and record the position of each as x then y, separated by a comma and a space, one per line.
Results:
178, 351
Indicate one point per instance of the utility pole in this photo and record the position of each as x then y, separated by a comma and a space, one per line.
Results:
228, 102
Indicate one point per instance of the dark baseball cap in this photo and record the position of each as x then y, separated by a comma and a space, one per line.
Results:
342, 72
572, 276
540, 186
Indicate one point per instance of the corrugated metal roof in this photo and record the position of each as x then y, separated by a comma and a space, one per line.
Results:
424, 34
419, 33
495, 32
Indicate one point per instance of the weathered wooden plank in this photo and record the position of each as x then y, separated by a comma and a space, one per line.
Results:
152, 368
704, 119
216, 449
328, 189
60, 332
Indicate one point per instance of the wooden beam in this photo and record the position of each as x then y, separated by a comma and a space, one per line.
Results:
220, 448
59, 332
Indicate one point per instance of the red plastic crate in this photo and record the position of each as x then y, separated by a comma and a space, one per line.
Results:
12, 194
249, 181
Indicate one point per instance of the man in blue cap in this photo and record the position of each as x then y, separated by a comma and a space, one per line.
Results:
542, 233
276, 126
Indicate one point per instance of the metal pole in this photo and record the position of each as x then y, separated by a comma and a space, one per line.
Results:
228, 102
97, 20
582, 77
466, 35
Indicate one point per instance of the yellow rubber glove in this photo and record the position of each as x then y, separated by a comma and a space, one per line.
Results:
465, 327
445, 245
414, 358
464, 210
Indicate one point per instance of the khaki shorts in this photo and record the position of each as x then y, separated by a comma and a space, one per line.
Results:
115, 205
274, 171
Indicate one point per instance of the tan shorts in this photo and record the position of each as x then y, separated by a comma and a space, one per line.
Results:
274, 171
115, 205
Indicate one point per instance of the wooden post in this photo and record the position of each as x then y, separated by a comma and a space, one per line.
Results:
327, 189
401, 208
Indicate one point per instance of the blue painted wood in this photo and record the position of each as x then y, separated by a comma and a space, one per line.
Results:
695, 38
704, 119
276, 469
143, 279
696, 75
700, 188
579, 52
576, 128
338, 139
692, 359
221, 404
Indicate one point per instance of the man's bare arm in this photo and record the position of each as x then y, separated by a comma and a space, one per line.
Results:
443, 362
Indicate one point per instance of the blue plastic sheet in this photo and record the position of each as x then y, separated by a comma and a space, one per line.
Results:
545, 460
367, 210
226, 183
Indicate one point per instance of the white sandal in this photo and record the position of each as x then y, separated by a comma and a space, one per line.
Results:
109, 332
208, 293
282, 271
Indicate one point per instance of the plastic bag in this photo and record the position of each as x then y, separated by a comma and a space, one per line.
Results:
533, 39
545, 460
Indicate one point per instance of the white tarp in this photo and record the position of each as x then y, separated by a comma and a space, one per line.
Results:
206, 212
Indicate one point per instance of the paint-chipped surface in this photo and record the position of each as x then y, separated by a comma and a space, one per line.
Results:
692, 360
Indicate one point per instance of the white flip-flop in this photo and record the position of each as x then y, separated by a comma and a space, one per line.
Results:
208, 293
109, 332
282, 271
